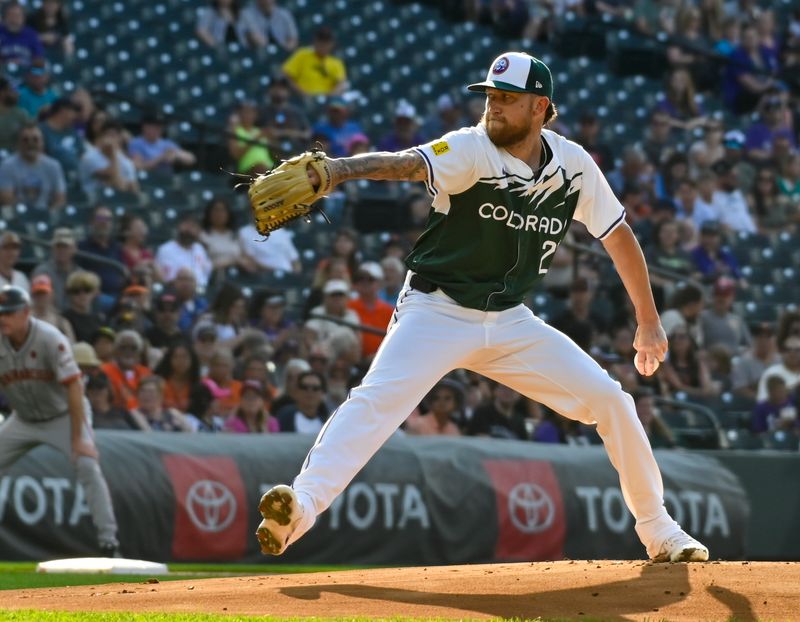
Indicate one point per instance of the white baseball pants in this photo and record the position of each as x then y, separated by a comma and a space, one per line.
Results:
430, 335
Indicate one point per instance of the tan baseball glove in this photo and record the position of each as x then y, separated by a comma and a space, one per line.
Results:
285, 193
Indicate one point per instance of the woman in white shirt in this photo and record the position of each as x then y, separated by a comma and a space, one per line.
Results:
219, 236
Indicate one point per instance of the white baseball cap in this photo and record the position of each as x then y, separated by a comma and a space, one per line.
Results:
336, 286
517, 72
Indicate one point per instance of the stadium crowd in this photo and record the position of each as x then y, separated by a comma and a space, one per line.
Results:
168, 341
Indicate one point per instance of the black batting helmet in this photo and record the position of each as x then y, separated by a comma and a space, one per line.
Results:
13, 298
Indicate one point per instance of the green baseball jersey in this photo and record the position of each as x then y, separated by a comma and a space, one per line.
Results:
495, 224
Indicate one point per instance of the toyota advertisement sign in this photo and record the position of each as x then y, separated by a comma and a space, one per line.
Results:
419, 501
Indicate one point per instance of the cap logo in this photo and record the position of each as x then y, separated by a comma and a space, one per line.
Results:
501, 65
538, 84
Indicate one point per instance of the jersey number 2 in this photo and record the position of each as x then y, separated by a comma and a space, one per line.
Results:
548, 248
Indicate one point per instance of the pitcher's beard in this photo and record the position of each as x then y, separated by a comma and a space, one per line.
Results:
504, 135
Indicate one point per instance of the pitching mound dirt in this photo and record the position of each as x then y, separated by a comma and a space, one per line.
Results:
613, 590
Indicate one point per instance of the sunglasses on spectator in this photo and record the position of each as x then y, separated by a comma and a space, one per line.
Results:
81, 290
310, 387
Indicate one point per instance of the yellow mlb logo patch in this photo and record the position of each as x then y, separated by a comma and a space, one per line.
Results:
440, 147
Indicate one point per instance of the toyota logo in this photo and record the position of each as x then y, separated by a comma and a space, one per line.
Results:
211, 506
530, 507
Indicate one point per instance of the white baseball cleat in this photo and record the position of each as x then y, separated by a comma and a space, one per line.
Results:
681, 547
282, 513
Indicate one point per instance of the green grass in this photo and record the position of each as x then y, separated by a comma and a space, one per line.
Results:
21, 575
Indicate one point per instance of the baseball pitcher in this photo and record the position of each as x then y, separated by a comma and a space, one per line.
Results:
41, 380
504, 195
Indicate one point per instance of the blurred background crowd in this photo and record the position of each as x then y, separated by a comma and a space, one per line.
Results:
120, 125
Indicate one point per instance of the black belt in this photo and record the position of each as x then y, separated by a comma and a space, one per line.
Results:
422, 284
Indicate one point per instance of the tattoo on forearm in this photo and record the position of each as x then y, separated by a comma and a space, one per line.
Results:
402, 166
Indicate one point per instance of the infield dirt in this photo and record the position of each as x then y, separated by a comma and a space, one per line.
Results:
608, 590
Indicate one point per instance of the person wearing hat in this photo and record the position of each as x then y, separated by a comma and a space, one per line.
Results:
36, 93
103, 343
335, 296
504, 195
82, 289
61, 263
42, 383
314, 70
405, 131
12, 117
31, 178
19, 44
10, 246
719, 324
269, 317
61, 138
710, 257
125, 370
444, 403
43, 308
371, 309
86, 358
150, 151
165, 331
448, 117
338, 126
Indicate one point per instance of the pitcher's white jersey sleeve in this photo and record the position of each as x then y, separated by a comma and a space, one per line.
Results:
452, 163
597, 207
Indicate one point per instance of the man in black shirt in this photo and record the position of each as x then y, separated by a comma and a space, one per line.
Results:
498, 418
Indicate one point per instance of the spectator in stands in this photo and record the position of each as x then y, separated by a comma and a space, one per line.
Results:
749, 73
95, 122
704, 153
577, 321
771, 209
252, 416
703, 210
620, 363
220, 371
447, 118
165, 332
82, 288
202, 409
314, 70
288, 390
285, 124
729, 203
269, 23
150, 151
103, 343
652, 18
19, 43
666, 253
229, 314
10, 246
248, 146
51, 24
105, 165
276, 254
371, 310
588, 137
680, 102
749, 367
125, 370
269, 317
134, 250
685, 369
774, 121
106, 416
101, 243
689, 46
659, 142
733, 142
42, 306
61, 139
61, 263
334, 305
405, 133
720, 324
12, 116
345, 246
218, 235
150, 414
36, 94
444, 406
304, 416
658, 432
337, 126
685, 306
29, 176
220, 23
730, 37
789, 184
394, 273
499, 418
778, 411
193, 304
179, 367
711, 259
185, 251
204, 343
788, 368
635, 169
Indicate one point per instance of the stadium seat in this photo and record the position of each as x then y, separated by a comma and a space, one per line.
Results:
743, 439
782, 440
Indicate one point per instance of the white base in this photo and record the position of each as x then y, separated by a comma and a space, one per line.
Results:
102, 565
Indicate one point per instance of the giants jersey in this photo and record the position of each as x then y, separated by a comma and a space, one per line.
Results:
32, 378
495, 226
